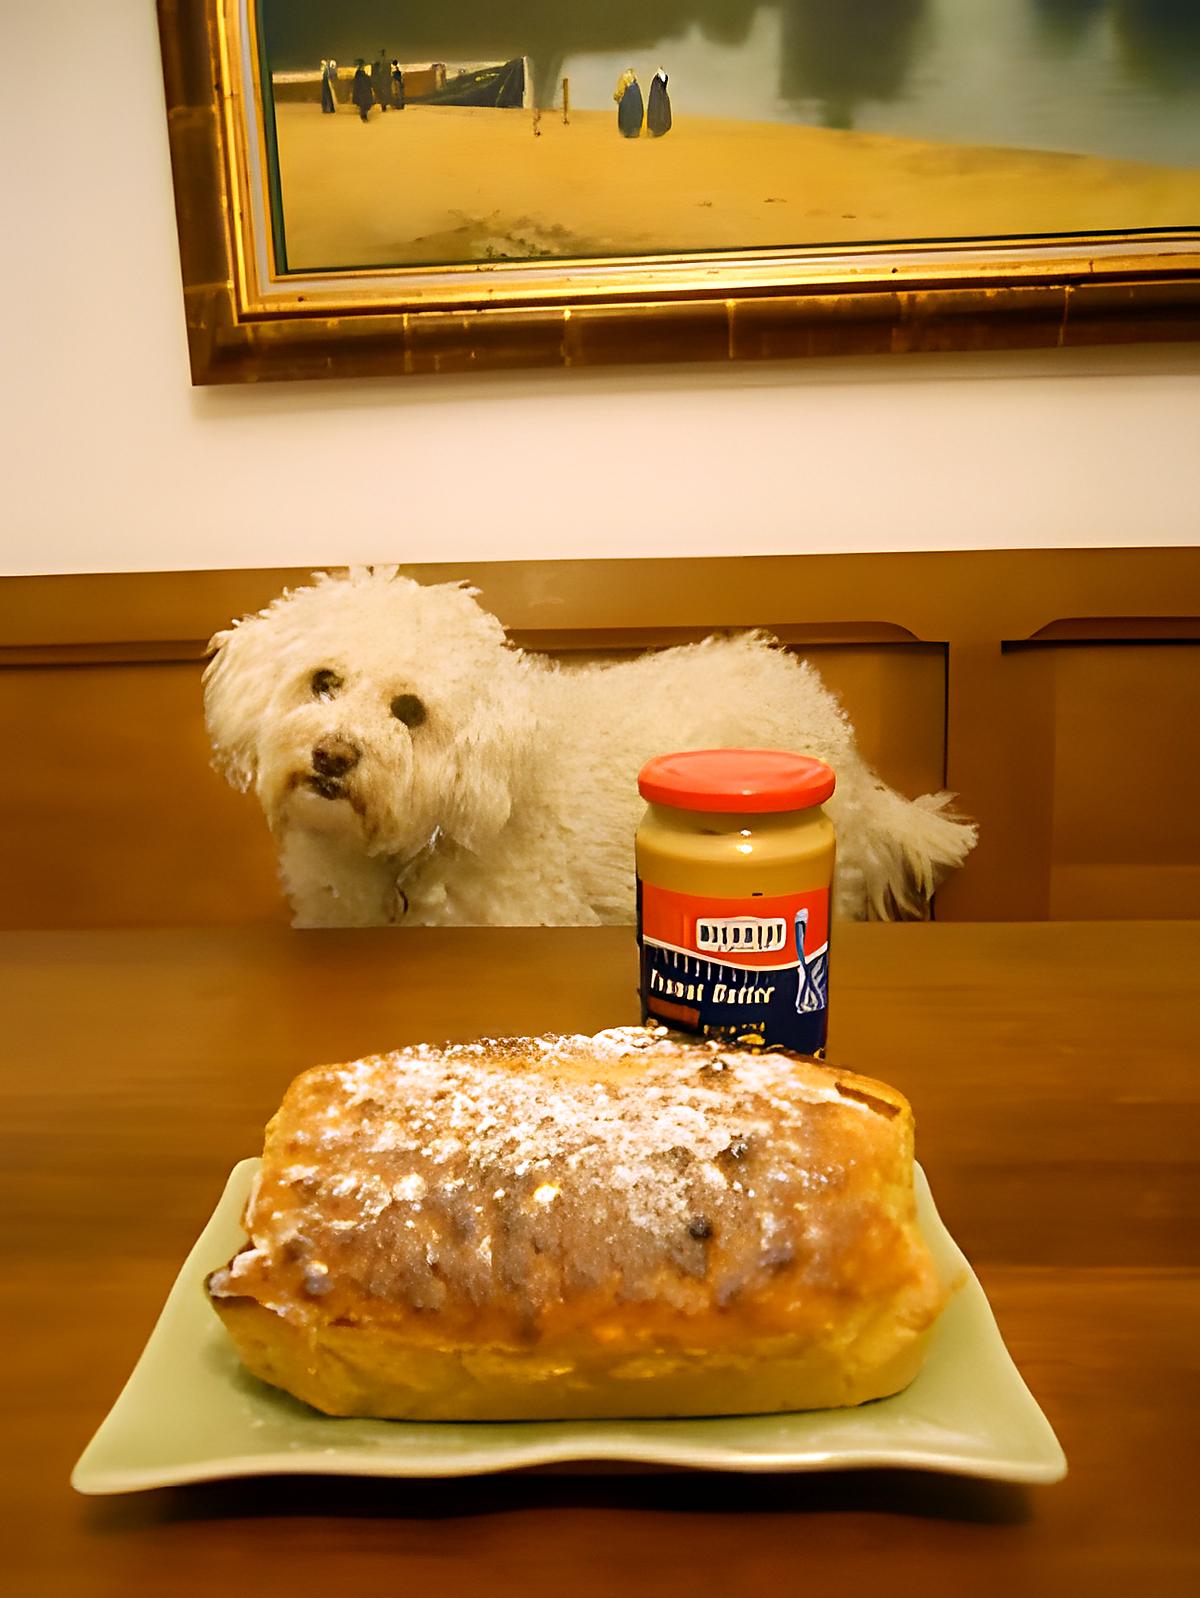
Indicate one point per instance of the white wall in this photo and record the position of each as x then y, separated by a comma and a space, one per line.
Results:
113, 462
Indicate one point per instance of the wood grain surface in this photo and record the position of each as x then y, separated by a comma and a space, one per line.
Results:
1054, 1075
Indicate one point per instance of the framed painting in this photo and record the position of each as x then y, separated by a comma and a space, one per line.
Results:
377, 186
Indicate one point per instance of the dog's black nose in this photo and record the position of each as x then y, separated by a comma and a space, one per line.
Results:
334, 757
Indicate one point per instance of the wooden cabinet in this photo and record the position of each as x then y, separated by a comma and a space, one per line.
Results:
1056, 691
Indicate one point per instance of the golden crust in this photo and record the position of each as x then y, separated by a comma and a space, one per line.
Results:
349, 1370
624, 1225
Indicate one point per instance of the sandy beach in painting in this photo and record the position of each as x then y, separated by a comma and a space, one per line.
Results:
448, 184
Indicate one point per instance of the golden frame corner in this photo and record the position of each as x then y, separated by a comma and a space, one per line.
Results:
247, 324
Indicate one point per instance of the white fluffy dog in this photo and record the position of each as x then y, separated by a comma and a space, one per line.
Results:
415, 766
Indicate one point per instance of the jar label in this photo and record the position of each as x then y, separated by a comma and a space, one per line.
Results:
753, 970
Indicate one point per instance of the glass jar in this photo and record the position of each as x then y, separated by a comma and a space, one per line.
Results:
735, 862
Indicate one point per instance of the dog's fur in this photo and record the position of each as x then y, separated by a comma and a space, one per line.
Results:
515, 801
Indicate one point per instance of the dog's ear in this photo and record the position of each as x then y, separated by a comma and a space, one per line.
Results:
492, 746
238, 683
491, 760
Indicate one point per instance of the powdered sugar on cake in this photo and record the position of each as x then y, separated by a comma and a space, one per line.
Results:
535, 1171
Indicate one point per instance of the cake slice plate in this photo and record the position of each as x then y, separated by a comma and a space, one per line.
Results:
189, 1412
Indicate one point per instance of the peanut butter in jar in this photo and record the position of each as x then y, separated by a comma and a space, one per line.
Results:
735, 862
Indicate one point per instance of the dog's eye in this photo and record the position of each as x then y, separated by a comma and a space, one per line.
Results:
408, 709
324, 683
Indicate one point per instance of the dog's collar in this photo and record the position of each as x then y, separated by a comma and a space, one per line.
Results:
407, 867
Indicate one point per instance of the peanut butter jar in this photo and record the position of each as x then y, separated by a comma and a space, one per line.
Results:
735, 860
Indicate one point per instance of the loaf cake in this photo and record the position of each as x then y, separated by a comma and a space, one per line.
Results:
630, 1224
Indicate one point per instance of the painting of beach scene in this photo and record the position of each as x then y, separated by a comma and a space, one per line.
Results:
416, 133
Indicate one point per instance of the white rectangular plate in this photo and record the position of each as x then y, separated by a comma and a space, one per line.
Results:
189, 1412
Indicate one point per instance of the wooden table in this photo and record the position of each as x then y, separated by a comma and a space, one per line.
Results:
1053, 1069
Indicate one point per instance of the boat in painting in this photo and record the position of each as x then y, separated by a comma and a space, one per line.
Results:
502, 86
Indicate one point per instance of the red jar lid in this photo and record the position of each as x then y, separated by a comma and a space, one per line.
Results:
741, 780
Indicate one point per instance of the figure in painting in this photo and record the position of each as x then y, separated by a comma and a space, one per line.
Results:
630, 106
658, 107
328, 79
397, 87
381, 80
361, 92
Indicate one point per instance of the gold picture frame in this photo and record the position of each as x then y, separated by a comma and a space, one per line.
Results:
246, 323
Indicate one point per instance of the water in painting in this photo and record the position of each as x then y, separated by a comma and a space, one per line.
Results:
421, 132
